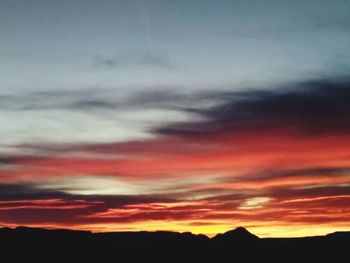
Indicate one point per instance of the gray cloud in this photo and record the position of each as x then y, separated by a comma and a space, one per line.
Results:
26, 191
104, 99
315, 107
60, 99
131, 59
32, 191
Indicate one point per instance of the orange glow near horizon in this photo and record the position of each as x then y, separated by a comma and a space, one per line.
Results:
257, 228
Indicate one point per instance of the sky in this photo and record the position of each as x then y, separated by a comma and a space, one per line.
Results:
175, 115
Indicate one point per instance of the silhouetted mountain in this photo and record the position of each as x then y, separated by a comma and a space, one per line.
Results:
34, 243
240, 234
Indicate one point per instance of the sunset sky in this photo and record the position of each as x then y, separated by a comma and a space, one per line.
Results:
182, 115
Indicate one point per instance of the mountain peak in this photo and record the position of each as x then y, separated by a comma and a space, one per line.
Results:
238, 234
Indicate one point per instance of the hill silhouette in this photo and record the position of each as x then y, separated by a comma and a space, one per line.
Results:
240, 234
235, 244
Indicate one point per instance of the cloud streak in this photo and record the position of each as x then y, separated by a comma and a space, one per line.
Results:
129, 59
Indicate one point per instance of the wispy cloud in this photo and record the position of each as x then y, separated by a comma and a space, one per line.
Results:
100, 99
131, 58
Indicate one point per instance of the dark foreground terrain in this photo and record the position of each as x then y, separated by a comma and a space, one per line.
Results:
232, 246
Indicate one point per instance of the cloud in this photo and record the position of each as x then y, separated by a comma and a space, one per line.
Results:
27, 191
309, 171
28, 203
310, 191
314, 176
128, 59
312, 107
85, 99
79, 99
